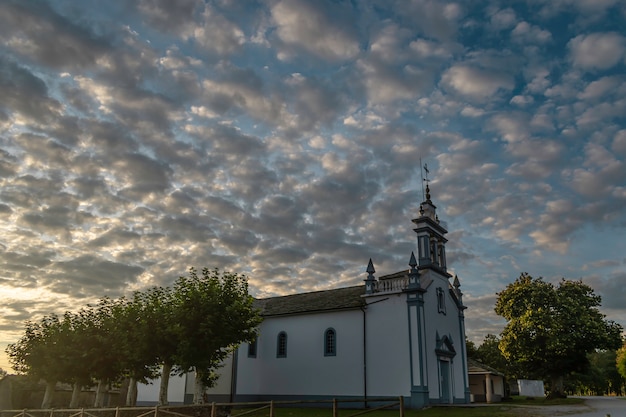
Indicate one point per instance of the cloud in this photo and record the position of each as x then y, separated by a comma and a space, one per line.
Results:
25, 94
527, 33
597, 51
619, 143
476, 84
38, 31
178, 18
503, 19
602, 87
218, 33
433, 19
307, 26
284, 140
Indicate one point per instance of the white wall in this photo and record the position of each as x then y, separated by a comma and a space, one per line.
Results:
305, 370
149, 394
223, 385
445, 324
388, 361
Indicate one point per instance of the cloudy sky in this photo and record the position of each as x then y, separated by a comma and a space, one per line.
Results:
282, 139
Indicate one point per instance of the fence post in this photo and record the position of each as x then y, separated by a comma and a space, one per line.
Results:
82, 412
24, 413
272, 408
156, 410
213, 411
401, 406
117, 411
51, 412
334, 407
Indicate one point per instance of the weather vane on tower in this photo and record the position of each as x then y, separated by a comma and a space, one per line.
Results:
424, 168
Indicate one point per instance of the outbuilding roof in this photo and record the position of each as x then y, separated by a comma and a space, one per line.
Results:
310, 302
475, 367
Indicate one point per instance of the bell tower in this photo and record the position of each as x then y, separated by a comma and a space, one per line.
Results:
431, 241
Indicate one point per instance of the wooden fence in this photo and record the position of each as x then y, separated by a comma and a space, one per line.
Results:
212, 409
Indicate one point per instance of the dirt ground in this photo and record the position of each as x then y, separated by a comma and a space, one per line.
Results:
592, 407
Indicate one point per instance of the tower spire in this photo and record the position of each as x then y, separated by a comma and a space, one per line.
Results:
430, 232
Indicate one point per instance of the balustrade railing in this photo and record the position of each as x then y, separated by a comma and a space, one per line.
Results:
392, 284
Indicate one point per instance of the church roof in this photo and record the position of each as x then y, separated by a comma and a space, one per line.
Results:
400, 274
310, 302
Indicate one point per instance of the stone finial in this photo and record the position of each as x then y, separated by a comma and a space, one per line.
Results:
414, 275
457, 284
370, 282
412, 261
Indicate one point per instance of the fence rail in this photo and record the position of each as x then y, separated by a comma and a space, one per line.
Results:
206, 410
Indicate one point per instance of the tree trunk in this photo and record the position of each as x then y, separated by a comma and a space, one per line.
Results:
556, 388
198, 395
49, 395
75, 401
165, 380
131, 393
100, 391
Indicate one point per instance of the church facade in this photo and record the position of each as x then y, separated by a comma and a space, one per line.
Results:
401, 334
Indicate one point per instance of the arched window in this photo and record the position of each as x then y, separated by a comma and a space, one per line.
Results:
330, 342
281, 345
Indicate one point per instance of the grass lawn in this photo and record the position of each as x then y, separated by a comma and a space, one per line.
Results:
513, 408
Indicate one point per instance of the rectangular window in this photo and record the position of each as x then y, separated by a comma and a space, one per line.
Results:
441, 300
252, 349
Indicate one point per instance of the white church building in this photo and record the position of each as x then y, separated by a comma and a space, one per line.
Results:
401, 334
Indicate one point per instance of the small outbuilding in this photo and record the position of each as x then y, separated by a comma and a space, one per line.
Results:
486, 383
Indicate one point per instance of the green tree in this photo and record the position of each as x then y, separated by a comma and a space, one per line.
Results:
160, 332
471, 349
214, 314
3, 373
36, 354
620, 360
139, 357
600, 378
106, 334
72, 357
551, 329
490, 354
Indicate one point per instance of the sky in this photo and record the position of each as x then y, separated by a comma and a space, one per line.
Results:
283, 139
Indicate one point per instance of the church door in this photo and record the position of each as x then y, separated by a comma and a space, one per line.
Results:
445, 381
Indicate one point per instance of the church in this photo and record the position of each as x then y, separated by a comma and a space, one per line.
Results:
401, 334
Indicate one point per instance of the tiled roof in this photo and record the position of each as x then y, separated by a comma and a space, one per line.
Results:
318, 301
475, 367
401, 274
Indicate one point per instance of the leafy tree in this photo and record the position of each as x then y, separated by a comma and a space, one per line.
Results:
620, 360
36, 354
601, 377
73, 359
489, 353
160, 332
3, 373
471, 349
106, 348
137, 339
214, 314
551, 329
